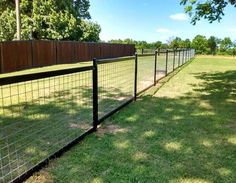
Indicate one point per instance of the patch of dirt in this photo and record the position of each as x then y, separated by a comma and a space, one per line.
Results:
41, 177
110, 129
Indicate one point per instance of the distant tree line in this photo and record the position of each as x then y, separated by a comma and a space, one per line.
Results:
200, 43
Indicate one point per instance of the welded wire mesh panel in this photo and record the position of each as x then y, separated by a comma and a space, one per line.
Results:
182, 57
161, 65
170, 61
149, 51
115, 84
38, 118
145, 72
175, 59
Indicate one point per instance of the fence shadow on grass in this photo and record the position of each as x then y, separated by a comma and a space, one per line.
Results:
189, 138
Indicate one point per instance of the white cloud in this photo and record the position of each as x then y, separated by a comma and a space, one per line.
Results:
163, 30
179, 17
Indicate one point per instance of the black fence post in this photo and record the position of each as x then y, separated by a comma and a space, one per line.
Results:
155, 68
135, 76
189, 55
174, 60
186, 55
167, 55
142, 51
95, 94
179, 58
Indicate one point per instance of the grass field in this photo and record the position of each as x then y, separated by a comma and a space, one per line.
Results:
182, 131
39, 117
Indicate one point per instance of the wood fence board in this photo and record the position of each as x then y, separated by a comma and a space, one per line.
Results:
19, 55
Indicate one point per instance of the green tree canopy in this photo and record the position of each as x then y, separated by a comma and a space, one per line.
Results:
199, 43
212, 10
212, 44
175, 43
49, 19
225, 44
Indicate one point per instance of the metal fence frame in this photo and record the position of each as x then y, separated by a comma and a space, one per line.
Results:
187, 55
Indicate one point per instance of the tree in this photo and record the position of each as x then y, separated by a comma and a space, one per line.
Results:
8, 26
175, 43
226, 44
212, 44
90, 31
185, 43
212, 10
234, 48
199, 43
51, 19
156, 44
164, 46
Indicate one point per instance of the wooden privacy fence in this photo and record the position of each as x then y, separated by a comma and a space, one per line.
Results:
19, 55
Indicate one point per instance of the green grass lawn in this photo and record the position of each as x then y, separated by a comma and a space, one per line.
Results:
182, 131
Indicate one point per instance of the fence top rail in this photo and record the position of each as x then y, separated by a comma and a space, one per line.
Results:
111, 60
164, 51
146, 54
41, 75
171, 51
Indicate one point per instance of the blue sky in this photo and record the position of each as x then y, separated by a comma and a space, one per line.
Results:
153, 20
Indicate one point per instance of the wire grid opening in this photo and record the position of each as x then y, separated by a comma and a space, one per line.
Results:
175, 59
145, 73
170, 62
38, 118
182, 57
115, 85
161, 66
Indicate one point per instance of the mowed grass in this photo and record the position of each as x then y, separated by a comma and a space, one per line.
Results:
183, 131
39, 117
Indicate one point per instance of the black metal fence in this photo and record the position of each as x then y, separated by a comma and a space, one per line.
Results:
44, 114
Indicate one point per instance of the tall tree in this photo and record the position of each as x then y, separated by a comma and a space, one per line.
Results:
226, 44
212, 10
185, 43
47, 19
212, 44
199, 43
175, 43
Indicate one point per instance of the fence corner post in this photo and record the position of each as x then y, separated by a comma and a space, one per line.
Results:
155, 68
179, 57
167, 55
174, 59
95, 94
135, 76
